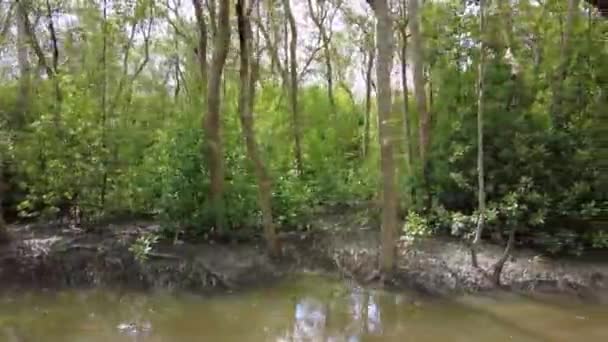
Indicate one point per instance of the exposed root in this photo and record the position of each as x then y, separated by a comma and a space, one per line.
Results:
500, 264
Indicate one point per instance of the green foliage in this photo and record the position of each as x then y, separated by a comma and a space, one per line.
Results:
121, 142
537, 176
142, 247
599, 239
415, 227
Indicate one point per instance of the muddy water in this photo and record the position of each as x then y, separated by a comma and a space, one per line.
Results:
301, 309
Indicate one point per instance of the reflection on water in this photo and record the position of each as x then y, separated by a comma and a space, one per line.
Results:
302, 309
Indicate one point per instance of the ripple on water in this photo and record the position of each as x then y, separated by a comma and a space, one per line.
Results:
309, 308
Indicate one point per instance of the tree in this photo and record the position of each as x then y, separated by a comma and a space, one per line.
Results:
24, 65
384, 43
135, 76
23, 8
212, 119
248, 78
403, 36
419, 82
320, 18
369, 68
370, 52
202, 43
424, 115
481, 193
293, 85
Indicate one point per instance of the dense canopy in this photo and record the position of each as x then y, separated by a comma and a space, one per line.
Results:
228, 118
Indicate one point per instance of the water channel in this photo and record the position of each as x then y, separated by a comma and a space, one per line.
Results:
304, 308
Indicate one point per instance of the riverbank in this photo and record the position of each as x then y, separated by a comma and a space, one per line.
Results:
343, 245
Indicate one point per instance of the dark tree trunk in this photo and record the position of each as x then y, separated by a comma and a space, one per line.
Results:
481, 194
55, 59
212, 119
500, 264
293, 93
23, 98
368, 98
202, 44
384, 43
248, 76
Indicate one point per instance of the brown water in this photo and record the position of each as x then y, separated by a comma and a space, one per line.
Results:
307, 308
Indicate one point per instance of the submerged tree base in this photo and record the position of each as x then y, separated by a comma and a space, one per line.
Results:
50, 256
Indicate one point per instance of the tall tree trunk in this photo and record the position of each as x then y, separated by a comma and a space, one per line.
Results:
177, 70
24, 68
384, 43
406, 111
481, 193
202, 43
293, 93
286, 47
419, 82
248, 76
424, 115
212, 119
104, 102
557, 104
368, 98
55, 59
329, 76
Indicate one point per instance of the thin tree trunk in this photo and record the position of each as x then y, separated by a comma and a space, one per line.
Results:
500, 264
24, 68
286, 45
293, 94
481, 194
104, 95
202, 43
55, 59
368, 98
329, 76
212, 119
406, 111
23, 10
326, 40
419, 83
424, 115
125, 81
384, 43
51, 71
248, 76
177, 70
273, 50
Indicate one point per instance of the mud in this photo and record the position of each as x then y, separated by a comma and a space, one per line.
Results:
55, 256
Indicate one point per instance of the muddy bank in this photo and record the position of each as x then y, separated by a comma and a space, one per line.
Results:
341, 245
441, 266
55, 257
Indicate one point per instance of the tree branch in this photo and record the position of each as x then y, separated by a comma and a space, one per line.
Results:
42, 62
